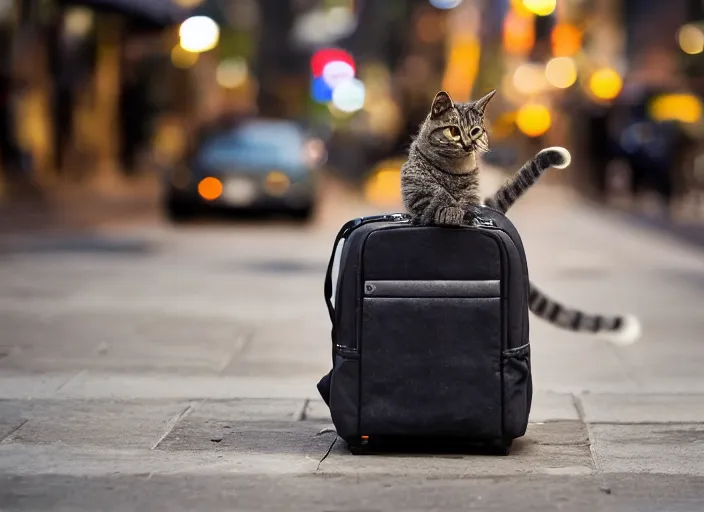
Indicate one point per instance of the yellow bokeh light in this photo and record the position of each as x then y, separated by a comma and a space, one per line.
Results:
529, 78
676, 107
691, 39
188, 4
561, 72
520, 9
462, 67
199, 34
384, 186
540, 7
78, 21
504, 126
182, 58
533, 119
231, 73
605, 84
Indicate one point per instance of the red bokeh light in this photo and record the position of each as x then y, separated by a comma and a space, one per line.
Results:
326, 55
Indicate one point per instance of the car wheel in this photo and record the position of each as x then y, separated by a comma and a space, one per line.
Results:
178, 211
303, 214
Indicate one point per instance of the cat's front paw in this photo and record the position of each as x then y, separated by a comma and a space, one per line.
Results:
470, 215
450, 216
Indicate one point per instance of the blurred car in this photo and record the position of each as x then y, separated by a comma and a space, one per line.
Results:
262, 165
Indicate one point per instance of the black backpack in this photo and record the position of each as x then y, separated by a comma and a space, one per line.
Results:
429, 334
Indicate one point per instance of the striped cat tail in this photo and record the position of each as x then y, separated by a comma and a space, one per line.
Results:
621, 330
514, 188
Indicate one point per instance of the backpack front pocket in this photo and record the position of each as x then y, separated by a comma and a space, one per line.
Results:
430, 357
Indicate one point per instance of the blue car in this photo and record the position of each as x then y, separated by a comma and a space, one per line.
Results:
257, 165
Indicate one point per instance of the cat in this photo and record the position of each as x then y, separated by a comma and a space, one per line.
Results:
440, 186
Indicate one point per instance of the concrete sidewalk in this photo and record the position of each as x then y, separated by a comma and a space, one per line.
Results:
180, 374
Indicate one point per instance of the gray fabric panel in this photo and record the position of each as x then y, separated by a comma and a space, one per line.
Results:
469, 289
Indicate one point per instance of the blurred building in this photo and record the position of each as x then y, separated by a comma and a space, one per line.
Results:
90, 92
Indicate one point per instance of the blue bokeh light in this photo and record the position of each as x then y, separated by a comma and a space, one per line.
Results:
320, 90
445, 4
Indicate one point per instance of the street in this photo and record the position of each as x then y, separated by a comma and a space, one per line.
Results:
147, 367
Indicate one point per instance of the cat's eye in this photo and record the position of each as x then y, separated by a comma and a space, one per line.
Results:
475, 132
452, 133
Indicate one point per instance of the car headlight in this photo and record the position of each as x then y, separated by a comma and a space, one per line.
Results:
277, 183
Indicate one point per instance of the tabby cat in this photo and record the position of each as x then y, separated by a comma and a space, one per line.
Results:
440, 186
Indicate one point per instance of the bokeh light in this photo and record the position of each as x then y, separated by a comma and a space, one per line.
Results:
561, 72
383, 187
445, 4
691, 39
188, 4
685, 108
277, 183
232, 73
518, 33
529, 78
183, 59
540, 7
566, 40
336, 72
533, 119
337, 113
323, 57
210, 188
605, 84
462, 67
78, 21
320, 91
349, 95
517, 7
199, 34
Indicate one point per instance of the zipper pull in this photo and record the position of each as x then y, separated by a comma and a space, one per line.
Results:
483, 222
398, 217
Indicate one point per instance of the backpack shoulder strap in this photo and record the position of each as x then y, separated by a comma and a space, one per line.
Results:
344, 232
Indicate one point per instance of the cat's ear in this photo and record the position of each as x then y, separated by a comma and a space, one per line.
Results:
481, 103
441, 104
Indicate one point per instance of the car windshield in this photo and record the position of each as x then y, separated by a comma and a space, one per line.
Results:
256, 145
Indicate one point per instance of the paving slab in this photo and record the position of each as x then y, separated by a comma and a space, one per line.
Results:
563, 362
546, 406
59, 459
667, 449
107, 424
298, 347
9, 425
174, 493
317, 410
556, 448
250, 409
14, 384
642, 408
119, 342
93, 385
247, 427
